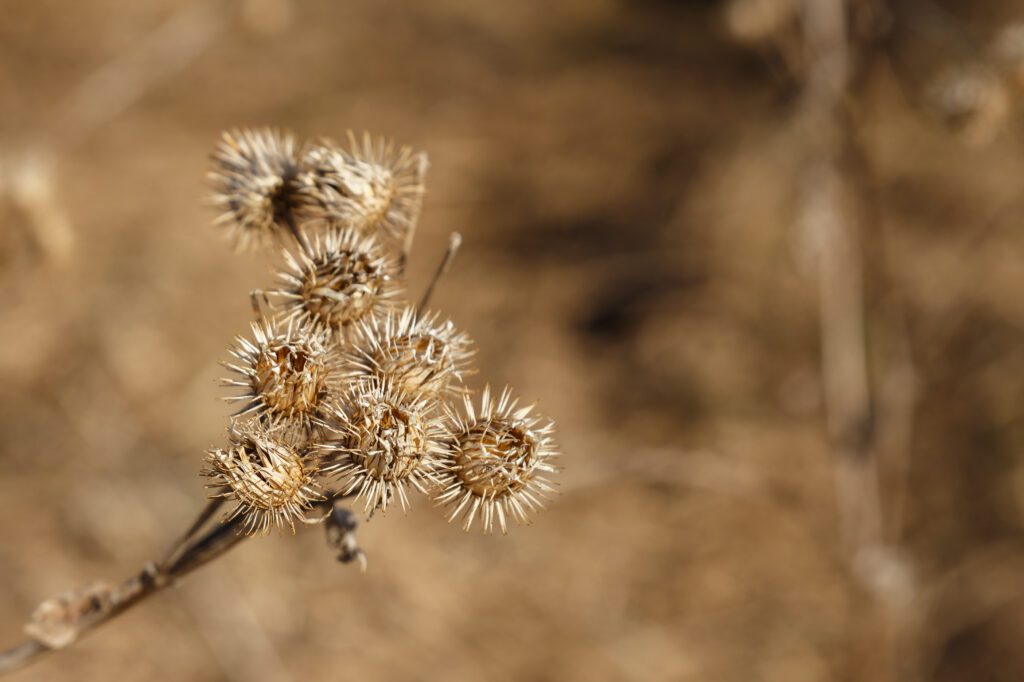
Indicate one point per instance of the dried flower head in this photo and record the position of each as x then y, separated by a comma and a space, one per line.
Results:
284, 371
254, 177
495, 463
382, 439
344, 278
372, 187
264, 472
419, 353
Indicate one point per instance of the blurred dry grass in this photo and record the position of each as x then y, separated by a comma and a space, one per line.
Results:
624, 177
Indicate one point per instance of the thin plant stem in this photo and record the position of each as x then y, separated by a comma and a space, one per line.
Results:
183, 558
454, 242
205, 515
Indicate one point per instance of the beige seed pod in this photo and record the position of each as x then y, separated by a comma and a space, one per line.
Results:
373, 187
344, 278
254, 177
495, 463
381, 440
419, 353
264, 472
284, 372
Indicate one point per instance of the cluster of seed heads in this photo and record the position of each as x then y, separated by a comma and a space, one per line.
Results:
341, 386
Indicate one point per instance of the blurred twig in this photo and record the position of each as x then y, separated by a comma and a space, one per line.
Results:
32, 189
897, 396
831, 215
828, 216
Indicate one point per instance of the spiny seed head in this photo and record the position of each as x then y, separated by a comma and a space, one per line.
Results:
421, 354
495, 463
372, 187
264, 472
254, 175
381, 439
344, 278
284, 371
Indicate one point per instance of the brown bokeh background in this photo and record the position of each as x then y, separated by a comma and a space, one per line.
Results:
627, 179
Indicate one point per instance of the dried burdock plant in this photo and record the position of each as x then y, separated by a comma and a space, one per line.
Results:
381, 439
418, 352
266, 473
254, 177
345, 278
283, 371
496, 462
372, 186
343, 387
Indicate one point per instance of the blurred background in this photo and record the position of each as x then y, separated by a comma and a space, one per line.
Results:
761, 260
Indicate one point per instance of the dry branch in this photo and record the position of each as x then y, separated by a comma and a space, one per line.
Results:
63, 619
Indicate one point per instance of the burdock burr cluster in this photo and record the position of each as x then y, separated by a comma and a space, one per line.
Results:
343, 387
